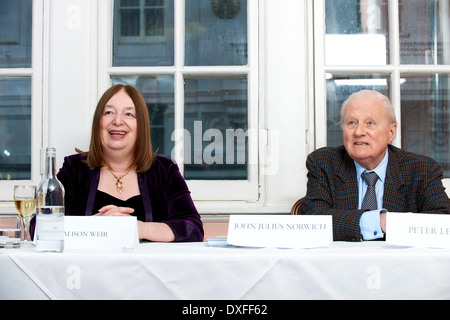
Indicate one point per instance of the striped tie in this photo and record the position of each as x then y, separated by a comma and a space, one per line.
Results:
370, 199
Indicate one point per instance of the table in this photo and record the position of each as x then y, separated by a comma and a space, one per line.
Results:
194, 271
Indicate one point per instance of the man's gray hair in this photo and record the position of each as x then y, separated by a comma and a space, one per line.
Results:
375, 94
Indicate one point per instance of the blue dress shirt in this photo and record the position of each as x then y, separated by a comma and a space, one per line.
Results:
370, 220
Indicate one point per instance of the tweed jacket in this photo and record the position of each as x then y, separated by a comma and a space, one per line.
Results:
413, 183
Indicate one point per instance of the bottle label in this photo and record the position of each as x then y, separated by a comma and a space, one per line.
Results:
50, 224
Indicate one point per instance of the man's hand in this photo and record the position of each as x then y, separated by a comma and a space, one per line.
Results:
383, 222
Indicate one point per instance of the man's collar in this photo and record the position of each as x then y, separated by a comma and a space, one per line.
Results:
380, 170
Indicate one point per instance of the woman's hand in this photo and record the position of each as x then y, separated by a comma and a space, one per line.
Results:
112, 210
153, 231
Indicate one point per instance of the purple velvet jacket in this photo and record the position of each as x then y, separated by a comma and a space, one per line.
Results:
164, 192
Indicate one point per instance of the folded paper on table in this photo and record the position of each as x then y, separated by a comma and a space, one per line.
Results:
100, 233
282, 231
418, 229
217, 241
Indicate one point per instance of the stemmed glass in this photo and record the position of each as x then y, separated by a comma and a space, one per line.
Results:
25, 202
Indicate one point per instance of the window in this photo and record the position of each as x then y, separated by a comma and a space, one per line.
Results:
20, 115
143, 33
196, 63
15, 128
400, 48
141, 21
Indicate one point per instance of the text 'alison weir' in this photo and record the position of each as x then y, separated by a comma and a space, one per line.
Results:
96, 234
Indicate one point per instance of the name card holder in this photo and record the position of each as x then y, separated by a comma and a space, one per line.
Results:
280, 231
418, 229
100, 233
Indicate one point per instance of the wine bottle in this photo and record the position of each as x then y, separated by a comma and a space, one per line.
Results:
50, 208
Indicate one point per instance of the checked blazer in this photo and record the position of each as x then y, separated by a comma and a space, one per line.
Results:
413, 183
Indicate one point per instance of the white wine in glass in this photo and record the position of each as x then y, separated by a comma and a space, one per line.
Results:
25, 202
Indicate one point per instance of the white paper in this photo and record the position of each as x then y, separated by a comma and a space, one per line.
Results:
281, 231
418, 229
100, 233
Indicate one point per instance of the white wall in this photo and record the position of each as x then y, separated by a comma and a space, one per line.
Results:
286, 83
71, 65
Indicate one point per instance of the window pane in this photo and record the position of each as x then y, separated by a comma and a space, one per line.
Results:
15, 33
153, 3
216, 122
339, 88
356, 32
159, 95
425, 117
143, 34
15, 128
154, 22
424, 31
130, 22
216, 32
129, 3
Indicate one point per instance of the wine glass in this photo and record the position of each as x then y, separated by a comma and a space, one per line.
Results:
25, 202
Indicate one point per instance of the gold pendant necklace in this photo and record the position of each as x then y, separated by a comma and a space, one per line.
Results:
119, 184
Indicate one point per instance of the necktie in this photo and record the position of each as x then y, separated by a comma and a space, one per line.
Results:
370, 199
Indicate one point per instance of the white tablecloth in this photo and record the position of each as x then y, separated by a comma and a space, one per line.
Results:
363, 270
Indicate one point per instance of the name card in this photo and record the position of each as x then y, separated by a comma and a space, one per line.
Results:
280, 231
100, 233
418, 229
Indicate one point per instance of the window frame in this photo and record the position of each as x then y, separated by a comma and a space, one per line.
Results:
395, 69
210, 191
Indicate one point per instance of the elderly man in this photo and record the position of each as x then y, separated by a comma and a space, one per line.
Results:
360, 181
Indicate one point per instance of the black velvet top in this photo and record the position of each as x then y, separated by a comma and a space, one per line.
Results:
103, 199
